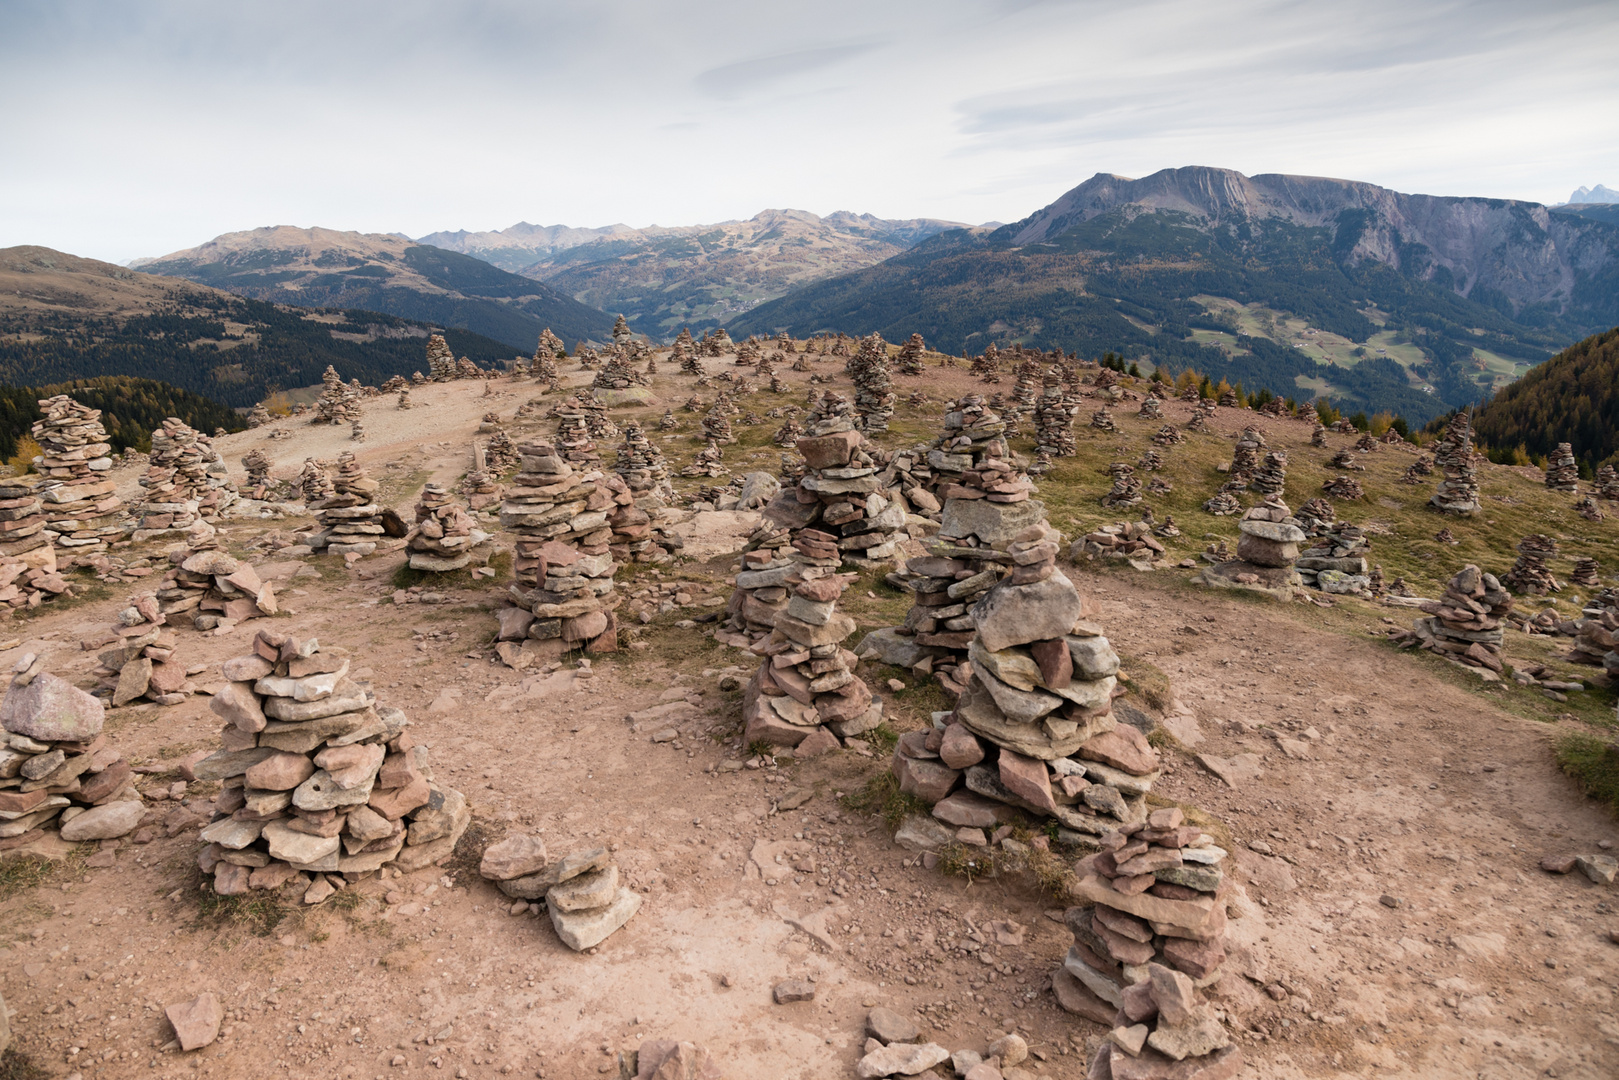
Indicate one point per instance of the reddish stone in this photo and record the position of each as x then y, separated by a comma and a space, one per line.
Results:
1027, 778
1056, 662
1123, 748
960, 748
1199, 959
822, 589
106, 783
926, 780
820, 741
397, 802
280, 772
829, 451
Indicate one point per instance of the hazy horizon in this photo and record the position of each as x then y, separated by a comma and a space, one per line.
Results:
140, 130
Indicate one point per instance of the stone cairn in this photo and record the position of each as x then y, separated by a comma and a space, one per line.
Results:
641, 465
1267, 549
1458, 491
581, 892
1562, 474
315, 778
1126, 489
1335, 561
313, 483
1464, 624
1318, 435
480, 488
1584, 573
1271, 477
1345, 459
258, 416
338, 402
185, 481
350, 518
219, 590
1608, 483
443, 537
28, 573
1367, 444
56, 768
141, 660
617, 374
716, 424
1102, 420
987, 365
1343, 487
1025, 389
1586, 506
788, 434
806, 688
909, 361
1054, 418
874, 392
1222, 504
573, 438
257, 464
1530, 576
986, 505
500, 453
1169, 435
1121, 540
1150, 409
709, 461
1596, 633
562, 557
440, 360
82, 511
1418, 471
668, 423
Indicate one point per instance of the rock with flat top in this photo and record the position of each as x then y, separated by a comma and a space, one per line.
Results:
901, 1059
581, 930
196, 1022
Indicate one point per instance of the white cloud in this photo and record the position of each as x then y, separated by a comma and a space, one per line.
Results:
135, 129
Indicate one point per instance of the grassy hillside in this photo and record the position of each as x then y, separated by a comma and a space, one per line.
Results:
1572, 398
388, 274
64, 318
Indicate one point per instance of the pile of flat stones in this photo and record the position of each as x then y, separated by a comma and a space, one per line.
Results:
443, 537
1345, 459
562, 559
1267, 550
481, 490
1149, 936
1271, 476
1102, 420
1584, 572
1417, 472
56, 769
1343, 487
338, 403
641, 465
1464, 624
138, 662
218, 589
1245, 456
1530, 576
709, 461
313, 483
1562, 473
1335, 561
716, 424
1150, 409
1168, 435
582, 891
573, 439
1222, 504
806, 688
499, 453
1453, 453
909, 361
1608, 483
257, 463
873, 390
350, 519
1054, 418
840, 493
82, 511
318, 785
1596, 633
440, 360
1126, 489
1131, 540
28, 573
185, 481
258, 416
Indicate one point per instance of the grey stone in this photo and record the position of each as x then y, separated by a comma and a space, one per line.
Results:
888, 1026
438, 818
224, 764
586, 892
1093, 658
308, 688
346, 697
231, 833
534, 886
1010, 615
902, 1059
236, 703
1599, 868
299, 848
790, 990
991, 522
51, 710
917, 833
105, 822
514, 857
581, 930
301, 738
321, 792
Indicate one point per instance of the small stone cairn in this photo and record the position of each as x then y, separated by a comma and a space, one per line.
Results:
1530, 576
1150, 409
1418, 471
1121, 540
1245, 458
1271, 477
141, 664
28, 573
257, 463
1267, 549
1596, 633
220, 590
709, 461
1586, 506
1335, 561
1608, 483
573, 439
1318, 435
987, 365
641, 465
581, 891
1343, 487
185, 480
56, 768
443, 537
1464, 624
313, 483
1562, 474
716, 425
350, 518
1126, 489
82, 510
1458, 491
258, 416
1584, 573
1102, 420
909, 361
874, 391
562, 558
315, 778
1345, 459
1222, 504
788, 434
806, 687
1169, 435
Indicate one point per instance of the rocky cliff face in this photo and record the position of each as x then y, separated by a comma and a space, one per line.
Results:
1498, 247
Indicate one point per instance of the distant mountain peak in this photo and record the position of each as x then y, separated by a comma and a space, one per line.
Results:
1598, 194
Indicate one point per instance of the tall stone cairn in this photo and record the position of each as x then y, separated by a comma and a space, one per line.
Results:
874, 391
440, 360
185, 480
1025, 393
443, 536
562, 560
1271, 476
909, 361
641, 464
806, 687
257, 463
57, 759
1150, 409
1608, 483
1054, 417
622, 334
987, 365
1453, 453
27, 558
81, 509
1464, 624
315, 778
573, 439
1530, 576
350, 516
1126, 489
1562, 474
1596, 633
313, 482
716, 424
544, 364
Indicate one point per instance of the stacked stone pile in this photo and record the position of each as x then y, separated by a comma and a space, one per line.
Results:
1343, 487
1417, 472
440, 360
573, 438
1271, 476
480, 488
1276, 407
1367, 444
617, 374
1054, 418
1596, 633
709, 461
81, 509
909, 361
216, 588
717, 424
1316, 515
443, 537
1222, 504
1458, 491
1025, 392
987, 365
258, 416
840, 489
1169, 435
1151, 460
1126, 489
641, 464
1150, 409
1121, 540
1318, 435
1335, 561
788, 434
140, 661
806, 687
56, 768
1245, 458
1584, 573
1464, 624
562, 557
1530, 576
350, 518
1345, 459
185, 480
500, 453
257, 464
315, 778
1102, 420
874, 391
1586, 506
586, 900
1608, 483
1562, 473
28, 572
596, 419
1267, 550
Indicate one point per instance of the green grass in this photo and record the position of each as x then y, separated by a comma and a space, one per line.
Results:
16, 1065
500, 562
1593, 763
882, 796
259, 912
24, 872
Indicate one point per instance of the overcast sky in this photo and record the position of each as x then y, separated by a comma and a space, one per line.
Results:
138, 127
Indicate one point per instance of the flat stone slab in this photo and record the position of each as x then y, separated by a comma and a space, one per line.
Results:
581, 930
